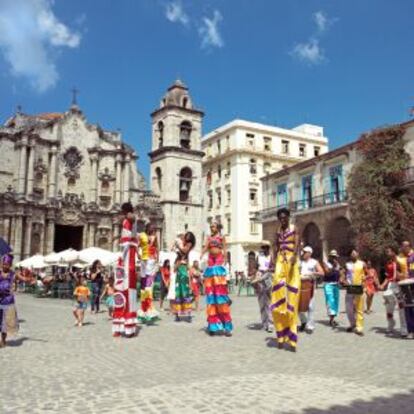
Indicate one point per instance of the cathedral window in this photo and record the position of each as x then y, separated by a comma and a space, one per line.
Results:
253, 167
185, 134
71, 183
160, 134
158, 176
209, 178
185, 102
186, 177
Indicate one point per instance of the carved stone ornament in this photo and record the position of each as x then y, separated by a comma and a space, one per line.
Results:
72, 158
106, 175
10, 193
40, 166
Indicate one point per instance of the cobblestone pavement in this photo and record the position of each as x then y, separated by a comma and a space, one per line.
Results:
176, 368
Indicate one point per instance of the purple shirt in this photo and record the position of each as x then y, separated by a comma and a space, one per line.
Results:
6, 289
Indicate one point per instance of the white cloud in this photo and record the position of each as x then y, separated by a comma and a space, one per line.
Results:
322, 21
209, 31
175, 13
29, 33
309, 52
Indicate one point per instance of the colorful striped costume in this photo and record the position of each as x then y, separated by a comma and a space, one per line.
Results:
125, 285
147, 312
182, 304
216, 291
286, 288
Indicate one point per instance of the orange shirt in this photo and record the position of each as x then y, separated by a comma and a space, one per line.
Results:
81, 291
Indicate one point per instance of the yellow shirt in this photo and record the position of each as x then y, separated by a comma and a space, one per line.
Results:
403, 263
355, 272
144, 243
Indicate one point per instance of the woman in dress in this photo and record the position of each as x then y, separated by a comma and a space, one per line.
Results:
165, 281
215, 284
97, 281
149, 263
182, 303
195, 275
9, 323
371, 286
109, 291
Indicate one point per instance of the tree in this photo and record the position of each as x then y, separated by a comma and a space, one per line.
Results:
382, 213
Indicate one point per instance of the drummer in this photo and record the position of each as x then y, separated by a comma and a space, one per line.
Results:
392, 291
408, 253
309, 269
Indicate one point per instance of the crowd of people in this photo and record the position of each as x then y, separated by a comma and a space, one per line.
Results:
284, 280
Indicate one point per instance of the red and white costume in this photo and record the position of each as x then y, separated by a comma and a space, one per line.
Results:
125, 297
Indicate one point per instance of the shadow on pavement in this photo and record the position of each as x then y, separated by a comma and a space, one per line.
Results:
383, 331
401, 403
19, 341
255, 326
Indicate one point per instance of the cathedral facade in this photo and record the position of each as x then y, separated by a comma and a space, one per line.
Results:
62, 181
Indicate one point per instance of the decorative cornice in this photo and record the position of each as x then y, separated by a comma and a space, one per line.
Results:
160, 151
180, 108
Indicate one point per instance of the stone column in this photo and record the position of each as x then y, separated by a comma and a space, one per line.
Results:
42, 240
12, 231
125, 182
94, 187
22, 167
18, 238
27, 237
85, 236
118, 179
50, 236
52, 173
6, 228
116, 235
30, 172
92, 231
325, 248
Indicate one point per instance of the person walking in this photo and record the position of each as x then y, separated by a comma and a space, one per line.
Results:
165, 282
195, 277
310, 269
82, 295
97, 281
354, 280
331, 280
371, 286
262, 285
286, 281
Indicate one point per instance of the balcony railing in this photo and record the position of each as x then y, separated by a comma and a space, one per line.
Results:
323, 200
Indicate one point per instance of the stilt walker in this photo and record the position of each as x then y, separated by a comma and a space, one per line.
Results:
125, 297
286, 282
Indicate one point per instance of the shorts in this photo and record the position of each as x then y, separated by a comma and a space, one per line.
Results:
81, 305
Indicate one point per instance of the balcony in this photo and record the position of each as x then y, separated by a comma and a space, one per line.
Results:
308, 205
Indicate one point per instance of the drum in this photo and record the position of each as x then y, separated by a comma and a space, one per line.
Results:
407, 292
306, 293
354, 289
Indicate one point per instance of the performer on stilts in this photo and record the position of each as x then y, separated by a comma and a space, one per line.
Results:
149, 267
286, 282
125, 298
408, 253
9, 323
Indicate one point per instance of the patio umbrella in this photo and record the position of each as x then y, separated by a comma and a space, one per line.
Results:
64, 257
34, 262
91, 254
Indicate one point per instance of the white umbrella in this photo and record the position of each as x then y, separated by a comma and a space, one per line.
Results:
67, 256
80, 265
34, 262
91, 254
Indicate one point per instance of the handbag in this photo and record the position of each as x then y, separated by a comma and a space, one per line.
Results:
354, 289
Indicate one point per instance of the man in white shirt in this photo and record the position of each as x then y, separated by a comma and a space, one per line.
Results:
262, 284
309, 269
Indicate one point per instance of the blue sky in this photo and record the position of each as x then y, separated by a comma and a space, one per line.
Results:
346, 65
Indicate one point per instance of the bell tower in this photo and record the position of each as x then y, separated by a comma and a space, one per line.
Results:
176, 162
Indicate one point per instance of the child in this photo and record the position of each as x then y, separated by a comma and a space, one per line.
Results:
195, 279
109, 292
81, 295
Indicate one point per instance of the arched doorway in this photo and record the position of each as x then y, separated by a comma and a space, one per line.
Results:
311, 236
340, 236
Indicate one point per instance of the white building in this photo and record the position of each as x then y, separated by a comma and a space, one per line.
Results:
238, 155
